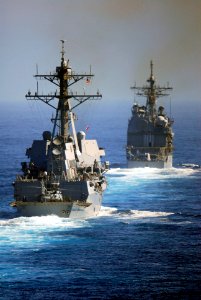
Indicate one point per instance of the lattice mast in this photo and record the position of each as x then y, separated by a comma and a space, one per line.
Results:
152, 92
63, 79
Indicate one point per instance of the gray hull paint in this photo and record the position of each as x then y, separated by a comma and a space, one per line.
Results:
31, 190
84, 201
62, 209
64, 173
149, 133
150, 164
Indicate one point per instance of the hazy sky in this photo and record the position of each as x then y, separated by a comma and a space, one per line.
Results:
117, 37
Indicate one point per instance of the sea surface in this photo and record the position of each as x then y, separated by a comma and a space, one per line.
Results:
146, 241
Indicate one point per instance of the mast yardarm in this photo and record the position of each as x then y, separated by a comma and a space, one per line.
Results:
151, 92
63, 78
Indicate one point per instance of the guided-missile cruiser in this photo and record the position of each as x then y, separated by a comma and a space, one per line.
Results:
149, 134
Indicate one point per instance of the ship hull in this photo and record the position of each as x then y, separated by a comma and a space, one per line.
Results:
73, 210
81, 200
159, 164
149, 133
64, 173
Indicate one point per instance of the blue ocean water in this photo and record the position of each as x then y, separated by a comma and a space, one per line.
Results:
146, 242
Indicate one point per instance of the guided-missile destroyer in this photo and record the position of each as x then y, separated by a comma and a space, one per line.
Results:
149, 135
64, 175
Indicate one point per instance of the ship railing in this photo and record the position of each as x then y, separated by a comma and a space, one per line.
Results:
20, 177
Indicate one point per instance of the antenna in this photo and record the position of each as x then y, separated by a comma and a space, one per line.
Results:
170, 107
151, 66
62, 50
37, 79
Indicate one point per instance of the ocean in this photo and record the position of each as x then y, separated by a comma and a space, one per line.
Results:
146, 241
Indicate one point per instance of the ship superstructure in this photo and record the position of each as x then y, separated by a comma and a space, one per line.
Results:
64, 175
149, 135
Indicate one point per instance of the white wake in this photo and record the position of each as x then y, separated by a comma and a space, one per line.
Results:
152, 173
131, 214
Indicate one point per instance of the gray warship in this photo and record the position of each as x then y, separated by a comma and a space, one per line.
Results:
64, 175
149, 134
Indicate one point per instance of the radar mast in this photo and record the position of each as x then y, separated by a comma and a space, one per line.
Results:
63, 78
151, 92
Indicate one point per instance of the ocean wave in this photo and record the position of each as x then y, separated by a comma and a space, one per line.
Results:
131, 214
42, 222
152, 173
